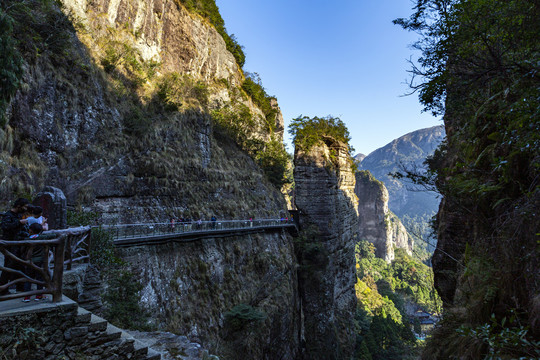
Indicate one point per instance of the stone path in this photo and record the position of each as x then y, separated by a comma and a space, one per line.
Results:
66, 331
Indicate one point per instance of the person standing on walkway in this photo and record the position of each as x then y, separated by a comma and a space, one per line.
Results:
12, 225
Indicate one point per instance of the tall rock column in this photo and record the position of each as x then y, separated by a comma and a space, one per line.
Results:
378, 224
328, 217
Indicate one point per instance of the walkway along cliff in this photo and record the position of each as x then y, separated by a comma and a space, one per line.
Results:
138, 112
236, 294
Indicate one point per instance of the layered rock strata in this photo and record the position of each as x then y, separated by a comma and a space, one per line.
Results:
377, 223
328, 216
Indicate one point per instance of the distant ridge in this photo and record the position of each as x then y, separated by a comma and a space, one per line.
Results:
410, 150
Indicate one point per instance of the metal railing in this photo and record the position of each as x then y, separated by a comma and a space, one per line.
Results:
145, 230
73, 244
19, 268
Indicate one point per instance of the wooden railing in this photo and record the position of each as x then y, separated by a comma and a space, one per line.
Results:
77, 244
18, 255
73, 245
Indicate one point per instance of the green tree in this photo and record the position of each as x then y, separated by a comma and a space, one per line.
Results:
253, 87
307, 131
480, 67
274, 160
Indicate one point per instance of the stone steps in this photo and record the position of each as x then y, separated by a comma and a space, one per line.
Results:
66, 331
110, 340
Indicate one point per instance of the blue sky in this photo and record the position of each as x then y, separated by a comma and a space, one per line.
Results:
340, 58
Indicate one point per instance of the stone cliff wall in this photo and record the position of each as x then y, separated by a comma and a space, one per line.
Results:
88, 120
64, 331
377, 223
94, 121
328, 216
164, 32
193, 288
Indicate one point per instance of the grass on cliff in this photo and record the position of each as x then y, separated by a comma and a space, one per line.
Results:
23, 41
209, 10
164, 121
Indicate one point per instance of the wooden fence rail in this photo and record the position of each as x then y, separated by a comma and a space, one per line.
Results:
78, 241
18, 262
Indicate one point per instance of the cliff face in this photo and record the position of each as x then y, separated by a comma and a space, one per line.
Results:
120, 110
376, 222
192, 288
163, 31
122, 116
328, 215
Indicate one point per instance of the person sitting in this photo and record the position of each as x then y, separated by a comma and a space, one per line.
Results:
37, 217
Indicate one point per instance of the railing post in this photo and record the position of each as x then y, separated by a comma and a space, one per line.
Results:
58, 269
88, 246
69, 251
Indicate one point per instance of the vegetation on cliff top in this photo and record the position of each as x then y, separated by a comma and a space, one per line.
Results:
480, 66
307, 132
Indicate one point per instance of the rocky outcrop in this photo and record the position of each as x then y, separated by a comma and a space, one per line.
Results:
324, 195
164, 32
53, 203
376, 222
400, 237
170, 345
100, 137
236, 295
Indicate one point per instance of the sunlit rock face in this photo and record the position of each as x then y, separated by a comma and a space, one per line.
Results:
70, 119
328, 214
377, 224
168, 33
